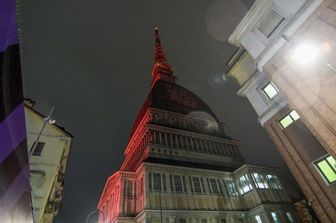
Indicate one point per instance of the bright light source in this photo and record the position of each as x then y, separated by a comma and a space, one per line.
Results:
305, 53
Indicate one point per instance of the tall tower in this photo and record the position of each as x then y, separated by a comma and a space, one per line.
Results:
180, 166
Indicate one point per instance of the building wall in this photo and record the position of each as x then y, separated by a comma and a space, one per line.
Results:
309, 89
142, 201
299, 152
47, 168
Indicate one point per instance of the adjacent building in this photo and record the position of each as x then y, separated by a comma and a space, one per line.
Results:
48, 147
181, 167
286, 66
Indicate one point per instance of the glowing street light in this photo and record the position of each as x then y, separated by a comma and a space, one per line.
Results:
305, 53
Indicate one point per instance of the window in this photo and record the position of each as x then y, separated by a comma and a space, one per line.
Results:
270, 90
213, 186
270, 23
231, 187
38, 149
37, 178
183, 220
257, 219
273, 181
260, 181
327, 167
290, 217
178, 184
244, 184
204, 221
197, 185
289, 119
275, 217
128, 189
157, 182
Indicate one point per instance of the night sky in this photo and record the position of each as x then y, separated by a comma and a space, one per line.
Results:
93, 59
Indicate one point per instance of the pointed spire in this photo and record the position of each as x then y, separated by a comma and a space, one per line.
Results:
161, 68
159, 54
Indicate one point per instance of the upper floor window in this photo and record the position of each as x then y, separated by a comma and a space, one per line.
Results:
260, 181
197, 185
273, 182
128, 189
231, 187
38, 149
270, 90
275, 217
178, 183
37, 178
157, 182
289, 119
290, 217
244, 184
257, 219
270, 23
214, 186
327, 167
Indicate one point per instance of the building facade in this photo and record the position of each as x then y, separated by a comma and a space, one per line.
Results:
285, 64
181, 167
48, 147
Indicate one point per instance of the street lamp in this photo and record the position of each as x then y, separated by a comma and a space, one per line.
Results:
94, 211
306, 53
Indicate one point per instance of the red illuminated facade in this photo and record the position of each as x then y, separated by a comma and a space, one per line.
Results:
180, 166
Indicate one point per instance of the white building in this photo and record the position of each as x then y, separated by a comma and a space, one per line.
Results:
48, 161
286, 67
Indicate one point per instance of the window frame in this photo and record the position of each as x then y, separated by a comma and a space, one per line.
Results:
39, 143
275, 217
291, 116
152, 185
263, 182
182, 180
242, 189
270, 83
273, 185
262, 36
258, 219
324, 177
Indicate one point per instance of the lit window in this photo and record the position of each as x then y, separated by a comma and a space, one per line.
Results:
270, 23
244, 184
327, 167
258, 219
290, 217
273, 181
260, 181
275, 217
270, 90
289, 119
231, 187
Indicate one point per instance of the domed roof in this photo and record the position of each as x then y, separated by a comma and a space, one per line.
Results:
175, 98
166, 95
